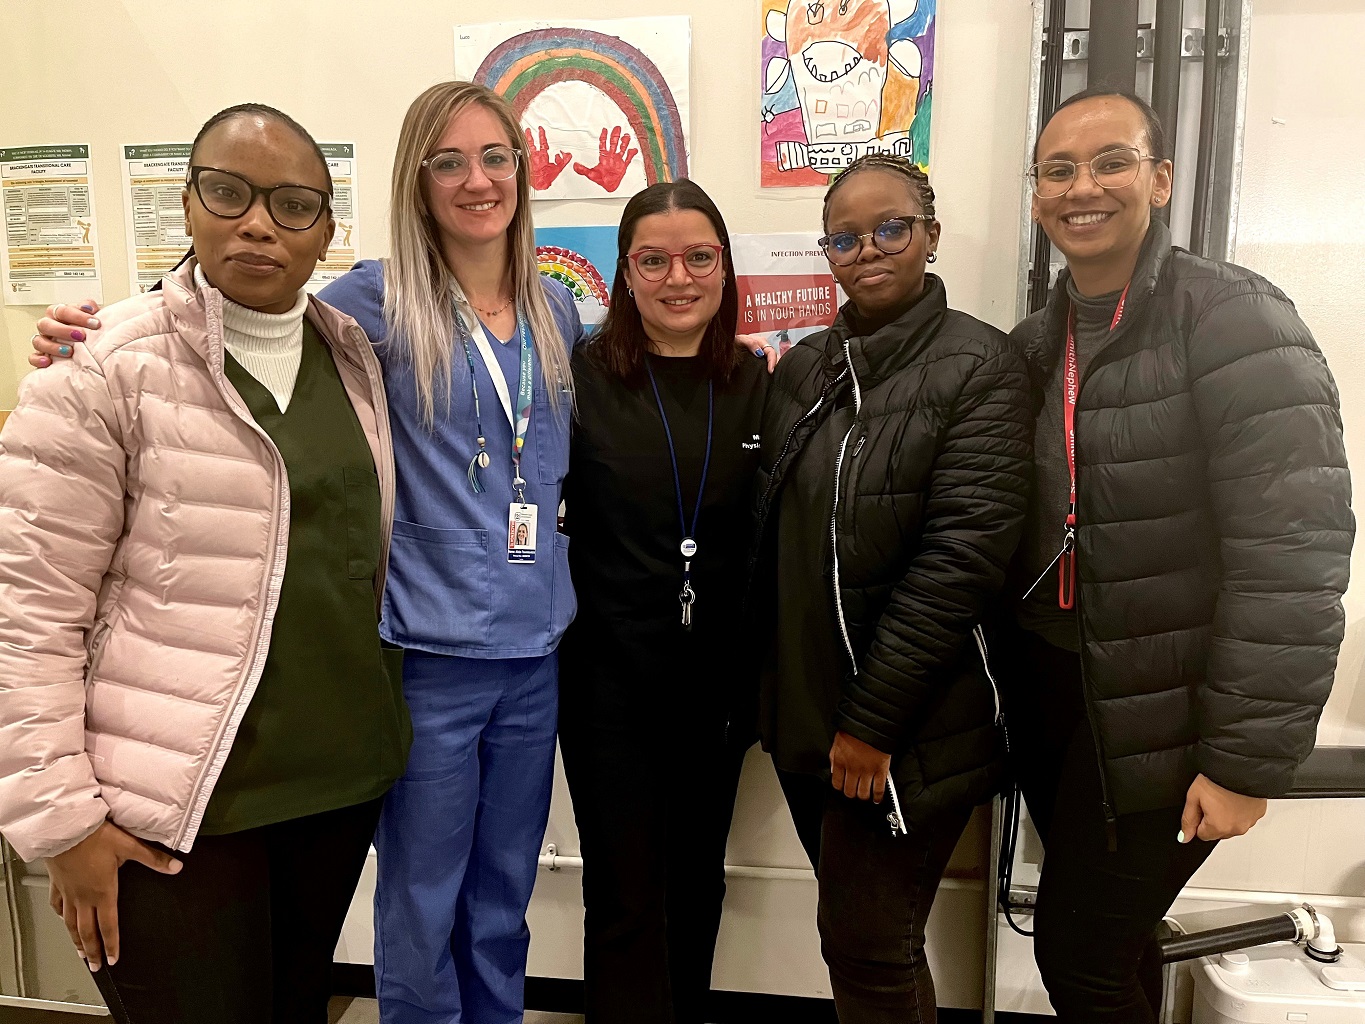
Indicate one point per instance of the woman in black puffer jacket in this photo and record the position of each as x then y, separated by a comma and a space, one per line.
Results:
1171, 678
893, 482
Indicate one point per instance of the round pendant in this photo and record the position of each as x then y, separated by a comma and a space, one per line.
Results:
688, 547
483, 460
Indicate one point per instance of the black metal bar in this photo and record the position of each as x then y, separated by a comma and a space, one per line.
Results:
1280, 928
1208, 126
1166, 57
1049, 95
1113, 44
1330, 773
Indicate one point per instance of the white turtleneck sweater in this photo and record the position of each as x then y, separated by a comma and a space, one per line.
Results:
269, 346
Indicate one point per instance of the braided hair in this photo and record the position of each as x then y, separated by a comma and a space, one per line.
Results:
918, 180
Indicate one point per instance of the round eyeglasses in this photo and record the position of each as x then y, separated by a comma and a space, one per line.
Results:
1114, 168
228, 195
700, 260
890, 236
451, 167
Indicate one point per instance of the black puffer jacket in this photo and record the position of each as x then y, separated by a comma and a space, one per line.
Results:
924, 432
1215, 529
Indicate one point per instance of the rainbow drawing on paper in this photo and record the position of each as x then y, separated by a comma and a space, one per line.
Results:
591, 100
840, 79
580, 258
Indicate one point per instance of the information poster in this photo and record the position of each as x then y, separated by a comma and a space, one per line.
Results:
153, 182
346, 244
50, 246
786, 290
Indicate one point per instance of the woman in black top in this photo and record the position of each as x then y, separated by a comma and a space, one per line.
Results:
893, 484
656, 694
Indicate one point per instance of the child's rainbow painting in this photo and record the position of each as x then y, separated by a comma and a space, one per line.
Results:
604, 103
841, 78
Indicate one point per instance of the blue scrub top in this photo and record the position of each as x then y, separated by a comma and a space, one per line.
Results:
450, 587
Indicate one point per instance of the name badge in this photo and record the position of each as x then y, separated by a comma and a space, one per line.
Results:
521, 533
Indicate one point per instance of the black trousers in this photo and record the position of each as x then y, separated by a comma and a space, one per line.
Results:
1098, 908
244, 934
876, 891
653, 791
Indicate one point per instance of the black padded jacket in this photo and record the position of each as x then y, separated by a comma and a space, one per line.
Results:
925, 428
1214, 529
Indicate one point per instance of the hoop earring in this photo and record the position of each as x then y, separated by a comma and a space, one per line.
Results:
931, 257
630, 292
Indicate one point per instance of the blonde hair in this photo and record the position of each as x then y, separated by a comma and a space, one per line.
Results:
419, 308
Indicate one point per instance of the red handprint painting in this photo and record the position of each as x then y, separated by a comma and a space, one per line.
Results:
603, 104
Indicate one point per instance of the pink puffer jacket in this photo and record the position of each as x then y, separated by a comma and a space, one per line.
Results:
143, 524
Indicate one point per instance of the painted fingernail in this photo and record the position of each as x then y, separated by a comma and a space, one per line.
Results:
1180, 836
758, 352
88, 308
65, 349
93, 324
79, 335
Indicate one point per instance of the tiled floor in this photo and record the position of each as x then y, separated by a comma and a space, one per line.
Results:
366, 1011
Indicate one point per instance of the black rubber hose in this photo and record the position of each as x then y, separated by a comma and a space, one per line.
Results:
1238, 936
1208, 125
1112, 60
1166, 59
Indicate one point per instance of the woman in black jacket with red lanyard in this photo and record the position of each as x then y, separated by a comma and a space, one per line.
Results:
892, 490
1180, 609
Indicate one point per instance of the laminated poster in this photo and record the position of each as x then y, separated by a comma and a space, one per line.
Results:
153, 181
605, 103
841, 79
50, 250
786, 291
584, 261
154, 178
345, 247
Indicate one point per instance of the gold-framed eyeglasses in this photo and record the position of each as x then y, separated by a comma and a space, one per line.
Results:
451, 166
1114, 168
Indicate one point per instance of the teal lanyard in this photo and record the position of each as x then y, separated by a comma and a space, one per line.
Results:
522, 420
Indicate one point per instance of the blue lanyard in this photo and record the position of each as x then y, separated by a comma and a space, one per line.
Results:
525, 385
688, 547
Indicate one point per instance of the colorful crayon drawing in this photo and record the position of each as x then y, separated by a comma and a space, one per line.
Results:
604, 103
584, 261
841, 78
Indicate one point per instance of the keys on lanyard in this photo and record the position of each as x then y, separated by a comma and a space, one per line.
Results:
688, 548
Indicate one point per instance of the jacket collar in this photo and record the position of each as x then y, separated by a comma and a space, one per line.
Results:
1044, 349
198, 316
886, 351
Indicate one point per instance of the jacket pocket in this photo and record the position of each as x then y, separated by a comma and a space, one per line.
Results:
439, 590
362, 522
551, 427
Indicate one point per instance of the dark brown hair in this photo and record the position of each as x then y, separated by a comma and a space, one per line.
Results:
621, 336
908, 169
1156, 135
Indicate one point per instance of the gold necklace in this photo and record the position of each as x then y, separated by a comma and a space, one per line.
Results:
493, 312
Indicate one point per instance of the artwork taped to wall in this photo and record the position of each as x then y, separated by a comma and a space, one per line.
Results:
841, 78
786, 290
605, 103
584, 261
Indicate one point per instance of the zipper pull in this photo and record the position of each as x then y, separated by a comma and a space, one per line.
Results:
859, 446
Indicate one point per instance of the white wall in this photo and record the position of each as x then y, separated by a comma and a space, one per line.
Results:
153, 71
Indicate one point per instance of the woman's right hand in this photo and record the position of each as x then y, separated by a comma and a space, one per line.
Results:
83, 887
60, 329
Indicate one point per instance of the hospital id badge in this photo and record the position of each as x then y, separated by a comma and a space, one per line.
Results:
521, 533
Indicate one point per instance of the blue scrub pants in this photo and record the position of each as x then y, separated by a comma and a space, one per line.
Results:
459, 837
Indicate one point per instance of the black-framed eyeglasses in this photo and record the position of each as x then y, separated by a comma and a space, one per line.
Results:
228, 195
1114, 168
700, 260
451, 166
890, 236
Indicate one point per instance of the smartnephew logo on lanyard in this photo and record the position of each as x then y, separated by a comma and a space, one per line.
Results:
1071, 386
521, 516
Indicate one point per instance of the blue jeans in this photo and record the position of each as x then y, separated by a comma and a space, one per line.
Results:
458, 840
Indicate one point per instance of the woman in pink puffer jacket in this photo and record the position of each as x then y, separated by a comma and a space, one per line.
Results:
194, 522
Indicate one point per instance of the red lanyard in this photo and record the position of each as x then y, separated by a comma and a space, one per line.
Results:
1071, 386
